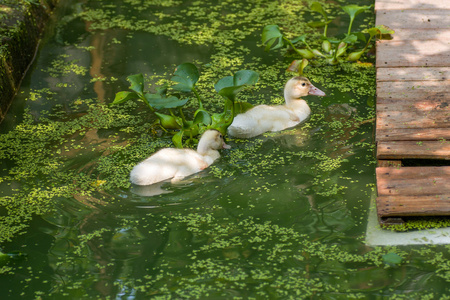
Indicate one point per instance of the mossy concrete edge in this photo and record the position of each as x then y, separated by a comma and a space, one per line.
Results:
21, 26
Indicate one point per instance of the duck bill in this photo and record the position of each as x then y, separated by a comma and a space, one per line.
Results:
226, 146
315, 91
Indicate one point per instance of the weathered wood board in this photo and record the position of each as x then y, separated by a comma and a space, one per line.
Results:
413, 181
408, 34
414, 74
413, 107
410, 90
408, 206
411, 4
413, 150
414, 134
410, 115
413, 53
414, 18
413, 191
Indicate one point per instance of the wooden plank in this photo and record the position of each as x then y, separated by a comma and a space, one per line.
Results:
413, 53
412, 134
413, 150
399, 206
414, 18
407, 181
407, 34
412, 119
414, 90
426, 105
414, 74
410, 4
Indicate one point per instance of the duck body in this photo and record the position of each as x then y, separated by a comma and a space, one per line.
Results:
263, 118
175, 164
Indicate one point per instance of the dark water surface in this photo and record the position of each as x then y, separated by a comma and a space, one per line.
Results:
279, 216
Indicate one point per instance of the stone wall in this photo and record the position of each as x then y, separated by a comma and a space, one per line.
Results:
21, 25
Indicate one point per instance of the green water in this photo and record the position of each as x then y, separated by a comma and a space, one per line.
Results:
279, 216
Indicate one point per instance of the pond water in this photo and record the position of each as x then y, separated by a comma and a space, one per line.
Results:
282, 215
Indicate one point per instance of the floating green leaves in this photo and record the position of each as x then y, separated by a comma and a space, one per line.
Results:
229, 87
353, 11
333, 48
392, 259
272, 37
186, 76
317, 7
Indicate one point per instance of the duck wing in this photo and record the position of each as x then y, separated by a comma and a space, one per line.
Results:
262, 118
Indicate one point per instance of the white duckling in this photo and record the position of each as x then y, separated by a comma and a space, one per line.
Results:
171, 163
264, 118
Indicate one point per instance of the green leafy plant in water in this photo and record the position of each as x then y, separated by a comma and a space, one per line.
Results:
228, 87
333, 49
186, 76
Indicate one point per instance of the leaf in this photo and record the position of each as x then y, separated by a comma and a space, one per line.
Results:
342, 48
294, 66
167, 121
326, 46
224, 82
355, 55
270, 32
371, 31
317, 24
162, 90
177, 139
302, 66
392, 259
231, 92
384, 29
137, 83
379, 30
187, 76
219, 122
272, 37
230, 86
241, 107
354, 10
122, 97
159, 102
298, 39
246, 77
360, 36
316, 52
305, 53
350, 39
317, 7
202, 116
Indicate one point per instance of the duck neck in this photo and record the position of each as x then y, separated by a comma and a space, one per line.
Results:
292, 102
288, 98
209, 154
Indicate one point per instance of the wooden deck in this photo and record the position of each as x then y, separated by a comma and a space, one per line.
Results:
413, 109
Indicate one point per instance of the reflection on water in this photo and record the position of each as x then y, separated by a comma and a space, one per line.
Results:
277, 216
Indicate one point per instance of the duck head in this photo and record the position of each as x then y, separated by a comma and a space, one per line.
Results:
211, 140
298, 87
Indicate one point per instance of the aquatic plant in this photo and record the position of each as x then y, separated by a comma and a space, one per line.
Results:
186, 76
334, 49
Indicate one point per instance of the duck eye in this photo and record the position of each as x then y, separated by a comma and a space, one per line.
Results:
303, 84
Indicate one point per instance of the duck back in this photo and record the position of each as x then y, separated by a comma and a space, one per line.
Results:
166, 164
263, 118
